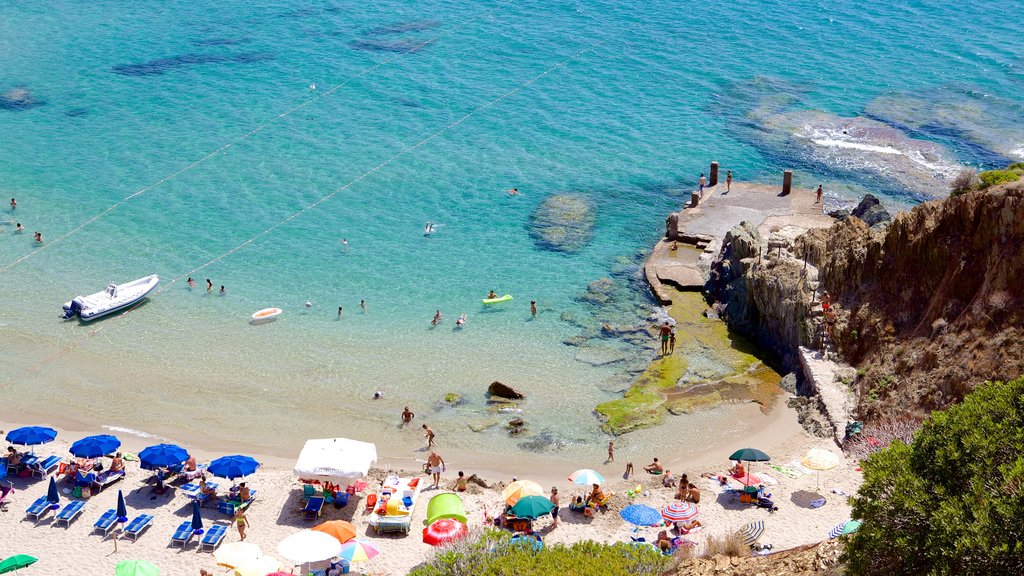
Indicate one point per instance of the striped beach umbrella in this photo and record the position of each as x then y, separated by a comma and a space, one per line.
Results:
751, 532
444, 531
843, 528
586, 477
680, 512
358, 550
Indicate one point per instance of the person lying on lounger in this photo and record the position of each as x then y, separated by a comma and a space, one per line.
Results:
190, 464
596, 497
117, 463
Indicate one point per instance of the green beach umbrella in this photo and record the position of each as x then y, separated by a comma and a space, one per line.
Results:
750, 455
136, 568
532, 507
17, 562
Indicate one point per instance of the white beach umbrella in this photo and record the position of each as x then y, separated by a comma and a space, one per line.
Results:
335, 459
234, 554
258, 566
309, 546
819, 459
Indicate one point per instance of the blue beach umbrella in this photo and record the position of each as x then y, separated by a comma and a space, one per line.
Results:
162, 456
197, 518
52, 496
95, 446
122, 509
640, 515
31, 435
232, 467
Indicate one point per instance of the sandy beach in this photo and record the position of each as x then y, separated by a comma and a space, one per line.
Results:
276, 513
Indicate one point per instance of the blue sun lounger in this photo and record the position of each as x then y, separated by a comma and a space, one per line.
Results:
213, 537
137, 526
45, 467
313, 507
183, 534
106, 522
38, 508
70, 511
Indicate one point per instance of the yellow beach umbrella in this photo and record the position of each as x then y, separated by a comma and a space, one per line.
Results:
235, 554
819, 459
258, 566
520, 488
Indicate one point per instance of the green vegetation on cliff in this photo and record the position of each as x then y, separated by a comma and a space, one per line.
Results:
491, 553
951, 502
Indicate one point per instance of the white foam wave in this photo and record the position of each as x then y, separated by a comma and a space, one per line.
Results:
133, 432
833, 143
1018, 152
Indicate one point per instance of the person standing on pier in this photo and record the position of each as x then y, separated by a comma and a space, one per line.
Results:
728, 181
701, 184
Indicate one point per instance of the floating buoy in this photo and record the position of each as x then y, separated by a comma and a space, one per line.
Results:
309, 304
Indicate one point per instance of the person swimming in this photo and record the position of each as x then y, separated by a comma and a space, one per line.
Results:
461, 320
437, 318
191, 282
492, 295
428, 229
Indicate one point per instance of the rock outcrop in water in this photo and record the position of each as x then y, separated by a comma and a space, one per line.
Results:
563, 222
500, 391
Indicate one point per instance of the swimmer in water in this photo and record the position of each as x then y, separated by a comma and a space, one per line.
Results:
491, 295
513, 191
19, 228
223, 290
533, 307
339, 312
362, 305
209, 285
344, 243
14, 203
461, 320
191, 282
428, 229
437, 318
39, 237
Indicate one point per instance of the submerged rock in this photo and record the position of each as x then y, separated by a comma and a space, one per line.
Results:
18, 99
600, 355
563, 222
481, 424
451, 399
500, 391
543, 442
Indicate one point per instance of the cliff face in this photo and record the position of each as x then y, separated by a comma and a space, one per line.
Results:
932, 307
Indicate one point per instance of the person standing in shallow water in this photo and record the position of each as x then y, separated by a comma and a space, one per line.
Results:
533, 307
429, 435
209, 285
407, 416
14, 203
362, 305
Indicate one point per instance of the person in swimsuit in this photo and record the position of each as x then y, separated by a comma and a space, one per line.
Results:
666, 333
491, 295
191, 282
654, 467
554, 511
437, 318
407, 415
533, 307
14, 203
241, 522
436, 465
18, 228
817, 195
39, 237
209, 285
362, 305
429, 435
461, 483
461, 320
728, 181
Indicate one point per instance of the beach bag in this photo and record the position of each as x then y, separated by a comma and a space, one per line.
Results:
24, 473
77, 492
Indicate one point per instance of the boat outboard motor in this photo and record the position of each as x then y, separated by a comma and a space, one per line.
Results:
72, 310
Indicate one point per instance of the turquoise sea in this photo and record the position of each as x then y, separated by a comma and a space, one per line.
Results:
422, 111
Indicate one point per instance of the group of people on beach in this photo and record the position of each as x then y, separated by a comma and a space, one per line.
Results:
37, 236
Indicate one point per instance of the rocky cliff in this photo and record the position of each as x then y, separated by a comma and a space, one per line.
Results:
927, 307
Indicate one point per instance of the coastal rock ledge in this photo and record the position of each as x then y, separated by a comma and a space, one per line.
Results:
500, 391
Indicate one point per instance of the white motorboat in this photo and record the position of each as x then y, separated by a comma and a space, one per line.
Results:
114, 298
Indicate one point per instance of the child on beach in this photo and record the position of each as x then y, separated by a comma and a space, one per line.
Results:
429, 435
611, 450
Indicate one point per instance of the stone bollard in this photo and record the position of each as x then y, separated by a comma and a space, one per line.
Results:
713, 181
694, 199
787, 182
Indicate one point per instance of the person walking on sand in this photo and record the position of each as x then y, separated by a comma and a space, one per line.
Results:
728, 181
407, 416
701, 184
436, 465
666, 333
241, 522
533, 307
554, 511
817, 195
611, 451
629, 470
429, 435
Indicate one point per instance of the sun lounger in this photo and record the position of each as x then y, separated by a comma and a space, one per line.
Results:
183, 534
192, 491
396, 515
308, 491
70, 511
137, 526
313, 507
45, 467
84, 479
106, 522
106, 479
229, 507
38, 508
213, 537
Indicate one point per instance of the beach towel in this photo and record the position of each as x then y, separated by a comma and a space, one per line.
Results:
786, 470
817, 503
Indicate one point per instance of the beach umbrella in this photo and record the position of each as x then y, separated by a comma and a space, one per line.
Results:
751, 532
640, 515
680, 512
444, 531
122, 509
31, 435
52, 495
749, 455
520, 488
358, 550
136, 568
343, 531
197, 518
309, 546
586, 477
532, 507
818, 459
17, 562
162, 456
95, 446
843, 528
234, 554
232, 467
259, 566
